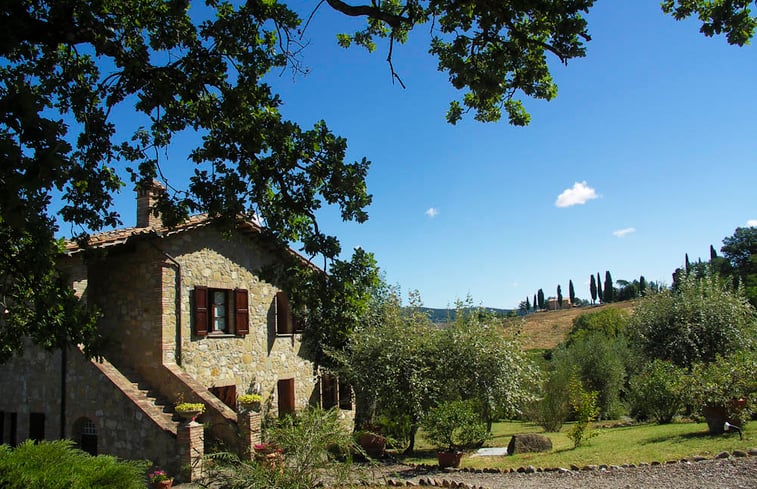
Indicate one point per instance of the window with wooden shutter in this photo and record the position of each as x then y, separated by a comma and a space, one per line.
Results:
283, 314
345, 395
201, 311
285, 388
241, 312
329, 391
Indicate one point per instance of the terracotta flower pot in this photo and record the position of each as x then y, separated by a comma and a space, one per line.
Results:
449, 459
162, 484
374, 445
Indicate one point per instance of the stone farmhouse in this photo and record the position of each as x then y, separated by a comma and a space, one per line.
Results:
187, 317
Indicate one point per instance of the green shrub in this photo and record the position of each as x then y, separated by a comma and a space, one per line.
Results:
58, 465
316, 445
454, 424
552, 408
703, 319
659, 391
611, 322
584, 404
601, 364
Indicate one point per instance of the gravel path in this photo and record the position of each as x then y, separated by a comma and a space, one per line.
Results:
730, 473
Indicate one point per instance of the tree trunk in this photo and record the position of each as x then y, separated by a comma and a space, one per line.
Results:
411, 445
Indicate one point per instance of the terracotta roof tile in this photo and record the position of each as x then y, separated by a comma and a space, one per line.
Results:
120, 236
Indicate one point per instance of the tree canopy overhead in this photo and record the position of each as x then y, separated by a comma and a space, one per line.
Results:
67, 66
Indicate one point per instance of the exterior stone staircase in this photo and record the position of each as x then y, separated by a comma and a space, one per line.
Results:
156, 408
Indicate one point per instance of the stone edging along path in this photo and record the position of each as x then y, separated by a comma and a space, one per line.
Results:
449, 481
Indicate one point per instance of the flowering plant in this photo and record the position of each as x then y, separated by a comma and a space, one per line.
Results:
267, 448
250, 402
189, 407
249, 398
158, 476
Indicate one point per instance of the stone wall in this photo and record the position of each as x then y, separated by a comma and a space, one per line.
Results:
31, 383
256, 360
122, 429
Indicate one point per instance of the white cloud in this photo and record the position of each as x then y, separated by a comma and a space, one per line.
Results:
432, 212
579, 194
752, 223
622, 233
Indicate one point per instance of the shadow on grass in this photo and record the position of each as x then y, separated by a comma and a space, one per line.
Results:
698, 435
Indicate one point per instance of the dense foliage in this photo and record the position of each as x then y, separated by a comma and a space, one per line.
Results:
401, 366
702, 319
600, 363
659, 391
58, 465
317, 447
453, 424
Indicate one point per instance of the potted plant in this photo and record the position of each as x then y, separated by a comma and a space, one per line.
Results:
724, 389
371, 441
159, 479
249, 402
450, 426
189, 410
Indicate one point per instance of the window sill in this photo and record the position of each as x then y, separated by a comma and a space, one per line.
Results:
223, 335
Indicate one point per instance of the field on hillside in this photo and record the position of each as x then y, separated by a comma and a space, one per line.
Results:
545, 330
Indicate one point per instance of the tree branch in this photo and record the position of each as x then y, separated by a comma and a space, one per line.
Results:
393, 20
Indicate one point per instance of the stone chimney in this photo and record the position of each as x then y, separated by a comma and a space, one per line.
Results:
146, 197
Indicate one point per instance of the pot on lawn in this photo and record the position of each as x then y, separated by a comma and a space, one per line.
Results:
449, 458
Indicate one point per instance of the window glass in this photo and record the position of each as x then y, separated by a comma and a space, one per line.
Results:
219, 310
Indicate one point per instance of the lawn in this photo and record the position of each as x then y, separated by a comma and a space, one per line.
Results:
612, 445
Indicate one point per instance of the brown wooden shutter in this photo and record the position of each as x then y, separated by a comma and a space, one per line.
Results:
328, 391
241, 312
286, 397
283, 314
227, 394
201, 310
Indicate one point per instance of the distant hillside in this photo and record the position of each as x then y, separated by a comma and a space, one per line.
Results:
440, 316
546, 330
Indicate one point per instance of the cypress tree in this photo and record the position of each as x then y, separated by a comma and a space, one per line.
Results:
688, 265
713, 253
535, 303
642, 285
528, 304
600, 292
593, 289
540, 295
608, 295
571, 292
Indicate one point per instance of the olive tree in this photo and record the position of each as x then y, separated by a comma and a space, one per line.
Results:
482, 364
701, 319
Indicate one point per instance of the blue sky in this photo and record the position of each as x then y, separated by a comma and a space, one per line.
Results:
651, 142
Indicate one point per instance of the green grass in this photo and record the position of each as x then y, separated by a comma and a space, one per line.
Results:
612, 446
